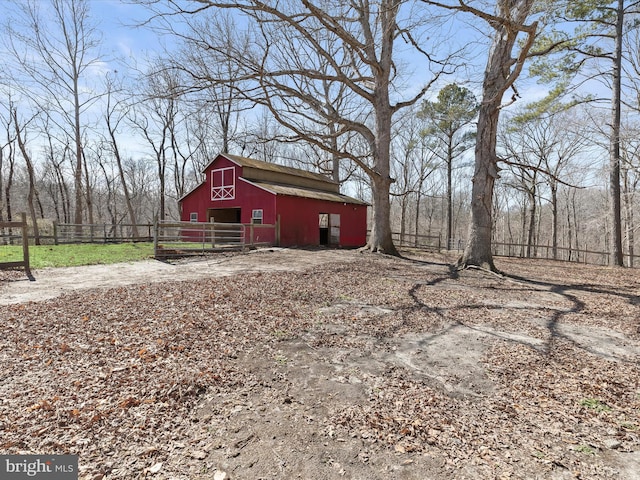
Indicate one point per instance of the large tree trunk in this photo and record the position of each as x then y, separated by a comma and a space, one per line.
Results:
500, 73
380, 239
617, 258
478, 249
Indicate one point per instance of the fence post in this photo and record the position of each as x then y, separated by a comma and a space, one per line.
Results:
25, 246
156, 229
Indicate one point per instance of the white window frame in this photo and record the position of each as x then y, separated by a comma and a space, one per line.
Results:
223, 191
193, 217
257, 214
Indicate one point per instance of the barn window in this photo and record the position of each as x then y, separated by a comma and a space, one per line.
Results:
256, 217
193, 217
223, 183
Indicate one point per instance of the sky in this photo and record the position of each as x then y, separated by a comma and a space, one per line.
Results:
123, 34
125, 39
125, 42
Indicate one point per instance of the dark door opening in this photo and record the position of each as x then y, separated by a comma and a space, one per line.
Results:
223, 215
323, 222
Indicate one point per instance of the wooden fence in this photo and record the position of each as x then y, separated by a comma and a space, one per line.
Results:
565, 254
518, 250
67, 233
427, 242
179, 239
23, 227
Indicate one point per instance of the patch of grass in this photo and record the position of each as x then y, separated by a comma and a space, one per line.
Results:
586, 449
281, 359
281, 334
41, 256
539, 454
595, 404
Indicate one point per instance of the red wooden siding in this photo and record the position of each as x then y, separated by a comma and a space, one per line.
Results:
299, 221
224, 188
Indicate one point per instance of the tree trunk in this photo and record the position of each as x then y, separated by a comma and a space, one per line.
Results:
121, 175
532, 222
449, 194
554, 220
629, 217
403, 217
416, 229
88, 191
77, 217
32, 180
478, 249
380, 239
500, 73
617, 258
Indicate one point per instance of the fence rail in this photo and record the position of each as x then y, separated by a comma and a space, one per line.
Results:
66, 233
173, 239
565, 254
428, 242
517, 250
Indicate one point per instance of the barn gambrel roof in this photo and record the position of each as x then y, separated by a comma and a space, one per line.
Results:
283, 180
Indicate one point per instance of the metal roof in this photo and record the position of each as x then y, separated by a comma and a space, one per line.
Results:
292, 191
274, 167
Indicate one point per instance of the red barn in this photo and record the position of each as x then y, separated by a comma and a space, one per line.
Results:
311, 209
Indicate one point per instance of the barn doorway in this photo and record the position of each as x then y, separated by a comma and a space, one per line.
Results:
323, 222
329, 224
223, 215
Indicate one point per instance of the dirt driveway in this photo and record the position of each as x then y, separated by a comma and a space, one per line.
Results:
325, 364
52, 282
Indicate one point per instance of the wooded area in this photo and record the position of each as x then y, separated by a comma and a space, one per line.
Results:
522, 133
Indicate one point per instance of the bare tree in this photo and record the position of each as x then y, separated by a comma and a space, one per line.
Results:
32, 192
539, 151
328, 73
219, 100
508, 23
630, 169
7, 164
114, 115
524, 168
448, 120
413, 162
54, 49
154, 116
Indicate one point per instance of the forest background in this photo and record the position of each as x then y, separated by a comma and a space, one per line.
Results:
110, 111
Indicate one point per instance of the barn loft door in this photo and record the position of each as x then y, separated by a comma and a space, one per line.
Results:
334, 229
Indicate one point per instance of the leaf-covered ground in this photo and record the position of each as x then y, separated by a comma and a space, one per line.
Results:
365, 367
